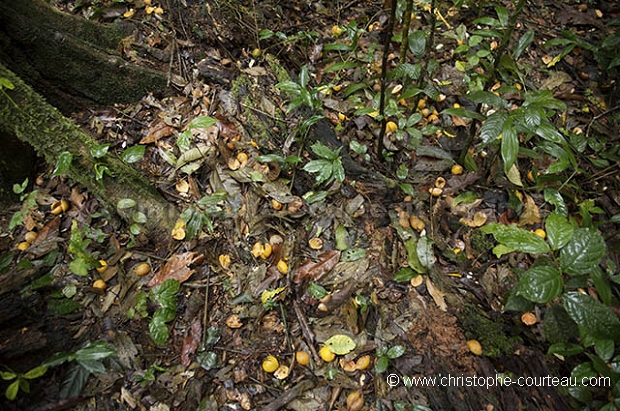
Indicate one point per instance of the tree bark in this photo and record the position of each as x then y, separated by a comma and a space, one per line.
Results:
28, 116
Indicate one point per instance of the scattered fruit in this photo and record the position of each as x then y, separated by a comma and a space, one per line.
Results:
355, 401
267, 250
234, 322
270, 364
336, 31
363, 362
302, 358
435, 191
242, 157
421, 104
282, 372
327, 354
456, 169
143, 269
315, 243
541, 233
257, 52
528, 318
224, 260
31, 236
416, 281
103, 265
416, 223
391, 127
276, 204
475, 347
233, 164
440, 182
282, 267
23, 246
347, 366
456, 105
159, 11
403, 219
258, 249
178, 232
59, 206
99, 285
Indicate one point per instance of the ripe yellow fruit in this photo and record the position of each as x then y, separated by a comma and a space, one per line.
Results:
456, 105
391, 127
267, 250
103, 267
143, 269
541, 233
258, 249
282, 372
416, 223
270, 364
528, 318
336, 31
315, 243
327, 354
302, 358
31, 236
355, 401
363, 362
23, 246
282, 267
242, 157
276, 204
475, 347
440, 182
435, 191
256, 53
456, 169
59, 207
99, 285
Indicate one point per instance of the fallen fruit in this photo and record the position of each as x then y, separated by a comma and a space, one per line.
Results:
270, 364
391, 127
99, 284
435, 191
315, 243
475, 347
528, 318
258, 249
336, 31
363, 362
355, 401
416, 223
440, 182
256, 53
541, 233
59, 206
276, 205
31, 236
347, 366
143, 269
23, 246
302, 358
103, 265
267, 250
282, 267
282, 372
326, 354
456, 169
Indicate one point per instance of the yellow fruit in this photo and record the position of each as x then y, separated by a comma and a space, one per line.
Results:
302, 358
267, 250
242, 157
327, 354
270, 364
23, 246
224, 260
282, 267
129, 13
421, 104
276, 204
159, 11
143, 269
178, 232
355, 401
416, 223
540, 232
456, 169
315, 243
337, 87
440, 182
99, 285
391, 127
256, 53
282, 372
59, 206
363, 362
336, 31
435, 191
103, 266
258, 249
31, 236
528, 318
149, 9
475, 347
456, 105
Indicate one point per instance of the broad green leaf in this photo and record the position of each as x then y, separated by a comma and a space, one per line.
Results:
425, 252
583, 253
79, 267
325, 152
581, 371
407, 188
74, 381
59, 358
158, 330
404, 275
395, 352
203, 122
6, 83
315, 166
547, 131
559, 230
340, 344
133, 154
304, 76
411, 246
604, 349
543, 99
417, 43
139, 217
324, 174
492, 127
524, 41
601, 282
338, 170
64, 162
92, 366
509, 144
165, 293
540, 284
382, 364
317, 290
517, 238
100, 150
342, 242
12, 390
558, 326
486, 97
352, 254
342, 65
502, 14
594, 318
35, 372
553, 197
124, 203
95, 351
463, 112
565, 349
467, 197
337, 47
7, 375
208, 360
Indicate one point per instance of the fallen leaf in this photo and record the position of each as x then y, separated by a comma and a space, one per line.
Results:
437, 295
177, 267
191, 342
314, 270
530, 214
157, 131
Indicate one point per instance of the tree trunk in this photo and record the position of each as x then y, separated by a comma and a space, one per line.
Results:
28, 116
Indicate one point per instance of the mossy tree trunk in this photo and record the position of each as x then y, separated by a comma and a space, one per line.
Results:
28, 116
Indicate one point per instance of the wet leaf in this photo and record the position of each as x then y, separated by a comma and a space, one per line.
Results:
395, 352
64, 162
516, 238
100, 150
594, 318
583, 252
133, 154
411, 246
559, 230
202, 122
177, 267
313, 270
426, 255
353, 254
540, 284
125, 203
208, 360
340, 344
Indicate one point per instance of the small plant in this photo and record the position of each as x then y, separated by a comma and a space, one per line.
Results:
22, 381
385, 354
138, 217
164, 295
82, 260
29, 202
200, 214
329, 165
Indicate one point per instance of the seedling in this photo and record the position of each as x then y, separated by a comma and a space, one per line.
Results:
22, 381
385, 354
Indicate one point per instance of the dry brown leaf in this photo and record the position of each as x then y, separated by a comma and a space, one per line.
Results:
157, 131
191, 342
314, 270
437, 295
530, 214
177, 268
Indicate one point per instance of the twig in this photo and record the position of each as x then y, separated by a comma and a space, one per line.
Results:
386, 51
305, 330
288, 396
205, 312
603, 114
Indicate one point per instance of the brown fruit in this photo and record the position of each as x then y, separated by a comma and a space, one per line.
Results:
528, 319
143, 269
475, 347
302, 357
355, 401
99, 285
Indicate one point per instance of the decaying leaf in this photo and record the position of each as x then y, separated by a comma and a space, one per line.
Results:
530, 214
437, 295
480, 218
191, 342
157, 131
177, 268
340, 344
313, 270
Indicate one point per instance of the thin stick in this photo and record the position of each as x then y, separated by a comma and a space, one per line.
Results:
305, 330
205, 312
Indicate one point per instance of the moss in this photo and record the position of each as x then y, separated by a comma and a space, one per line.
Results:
490, 333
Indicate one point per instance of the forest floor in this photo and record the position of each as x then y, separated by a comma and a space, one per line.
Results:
309, 247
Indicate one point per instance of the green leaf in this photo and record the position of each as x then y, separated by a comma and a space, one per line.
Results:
59, 358
203, 122
417, 43
395, 352
594, 318
540, 284
559, 230
547, 131
553, 197
411, 246
425, 252
382, 364
12, 390
404, 275
100, 150
517, 238
7, 375
95, 367
338, 170
601, 283
340, 344
565, 349
463, 112
74, 382
352, 254
6, 83
583, 253
35, 372
268, 158
316, 166
133, 154
341, 65
467, 197
325, 152
492, 127
341, 235
158, 330
524, 41
486, 97
558, 326
317, 290
604, 349
139, 217
509, 144
165, 293
124, 203
208, 360
304, 76
64, 162
79, 267
95, 351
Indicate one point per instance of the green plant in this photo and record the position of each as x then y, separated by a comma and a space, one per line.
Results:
568, 260
22, 381
138, 217
29, 202
385, 354
88, 360
78, 243
199, 214
329, 165
164, 295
